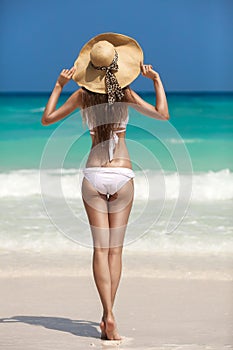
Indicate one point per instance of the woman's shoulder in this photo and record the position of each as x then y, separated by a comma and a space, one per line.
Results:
131, 96
77, 92
77, 97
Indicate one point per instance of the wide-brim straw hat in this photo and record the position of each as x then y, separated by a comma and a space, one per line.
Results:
99, 51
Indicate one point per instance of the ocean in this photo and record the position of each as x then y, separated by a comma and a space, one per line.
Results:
183, 184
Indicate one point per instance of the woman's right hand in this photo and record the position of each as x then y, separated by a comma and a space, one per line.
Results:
148, 72
65, 76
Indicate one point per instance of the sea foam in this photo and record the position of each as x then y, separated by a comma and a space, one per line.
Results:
210, 186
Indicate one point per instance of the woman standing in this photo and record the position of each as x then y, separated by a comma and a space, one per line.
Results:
105, 67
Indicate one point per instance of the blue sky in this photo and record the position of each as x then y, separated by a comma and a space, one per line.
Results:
189, 42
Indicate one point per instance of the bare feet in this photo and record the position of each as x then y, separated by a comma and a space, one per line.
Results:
102, 328
110, 328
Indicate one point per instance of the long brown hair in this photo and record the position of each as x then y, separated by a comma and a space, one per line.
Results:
102, 117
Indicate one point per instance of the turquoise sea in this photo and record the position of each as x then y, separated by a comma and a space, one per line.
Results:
204, 122
183, 184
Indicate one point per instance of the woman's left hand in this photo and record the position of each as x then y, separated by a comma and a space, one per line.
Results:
65, 76
148, 72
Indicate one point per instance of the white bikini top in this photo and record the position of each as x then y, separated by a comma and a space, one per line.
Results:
114, 137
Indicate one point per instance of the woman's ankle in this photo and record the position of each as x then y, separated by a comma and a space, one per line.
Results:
108, 314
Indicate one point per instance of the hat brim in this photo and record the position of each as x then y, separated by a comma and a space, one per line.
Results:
130, 57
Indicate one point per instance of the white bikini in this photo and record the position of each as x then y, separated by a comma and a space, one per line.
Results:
109, 180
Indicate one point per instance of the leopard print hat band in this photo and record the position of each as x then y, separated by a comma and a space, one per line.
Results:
112, 86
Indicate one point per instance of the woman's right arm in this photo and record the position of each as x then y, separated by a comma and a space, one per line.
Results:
51, 114
160, 110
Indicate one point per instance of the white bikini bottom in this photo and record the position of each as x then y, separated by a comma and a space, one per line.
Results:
108, 180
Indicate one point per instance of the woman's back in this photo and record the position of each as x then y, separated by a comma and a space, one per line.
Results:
107, 125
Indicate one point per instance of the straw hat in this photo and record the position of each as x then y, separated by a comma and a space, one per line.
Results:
108, 55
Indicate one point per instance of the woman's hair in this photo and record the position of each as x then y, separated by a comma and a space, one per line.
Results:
101, 116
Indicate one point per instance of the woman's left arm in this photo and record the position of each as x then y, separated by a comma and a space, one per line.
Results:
51, 115
160, 110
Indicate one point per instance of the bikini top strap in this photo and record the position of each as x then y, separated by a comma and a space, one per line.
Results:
92, 132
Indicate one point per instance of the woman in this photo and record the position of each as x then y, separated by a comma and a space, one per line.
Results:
105, 67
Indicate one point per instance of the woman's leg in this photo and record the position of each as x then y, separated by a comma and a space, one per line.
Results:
119, 207
119, 211
97, 211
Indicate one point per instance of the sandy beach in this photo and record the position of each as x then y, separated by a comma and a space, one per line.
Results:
57, 309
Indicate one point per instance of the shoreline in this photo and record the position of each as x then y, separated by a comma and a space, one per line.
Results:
135, 264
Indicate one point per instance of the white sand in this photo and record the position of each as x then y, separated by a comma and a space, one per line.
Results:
62, 312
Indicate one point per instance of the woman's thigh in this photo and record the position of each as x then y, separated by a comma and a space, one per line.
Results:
108, 218
119, 208
96, 206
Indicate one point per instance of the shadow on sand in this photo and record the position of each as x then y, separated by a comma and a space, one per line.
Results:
81, 328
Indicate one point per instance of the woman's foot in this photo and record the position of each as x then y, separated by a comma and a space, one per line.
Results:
110, 328
103, 335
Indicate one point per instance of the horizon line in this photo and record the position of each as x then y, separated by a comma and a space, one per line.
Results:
137, 91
